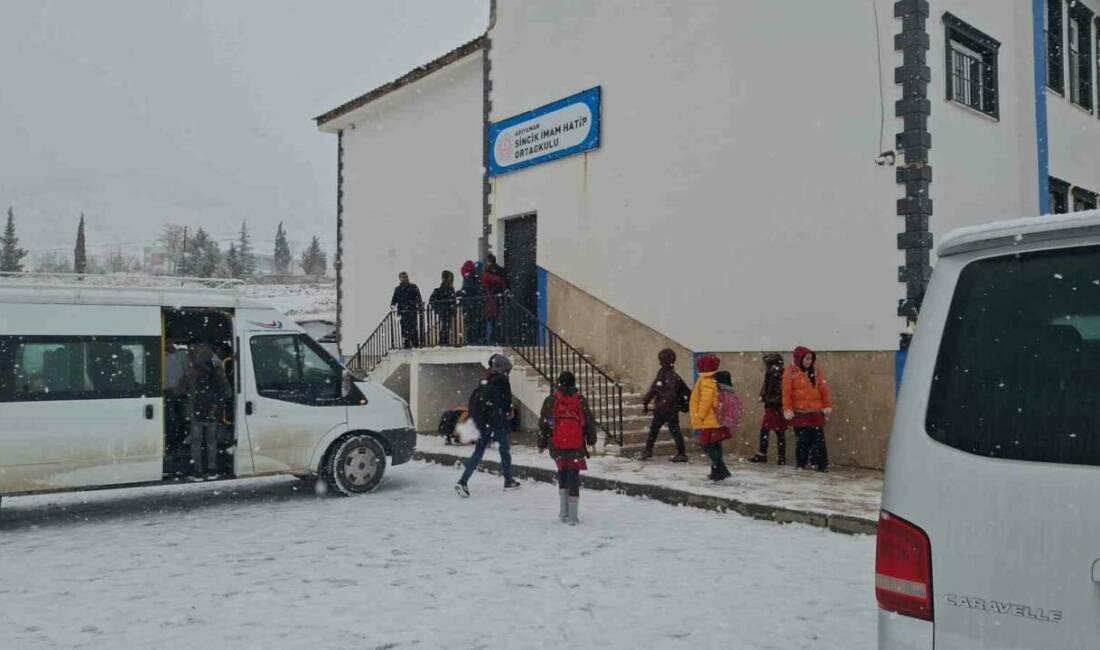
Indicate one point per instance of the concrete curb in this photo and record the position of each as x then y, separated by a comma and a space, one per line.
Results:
672, 496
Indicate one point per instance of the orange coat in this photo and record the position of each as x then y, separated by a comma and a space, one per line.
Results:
799, 393
704, 403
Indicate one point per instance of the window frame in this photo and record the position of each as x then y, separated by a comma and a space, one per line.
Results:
1081, 195
1080, 55
1059, 187
959, 34
1055, 47
153, 368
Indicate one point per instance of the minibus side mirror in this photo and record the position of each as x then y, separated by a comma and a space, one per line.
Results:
345, 384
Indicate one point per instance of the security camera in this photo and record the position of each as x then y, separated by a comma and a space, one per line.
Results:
886, 158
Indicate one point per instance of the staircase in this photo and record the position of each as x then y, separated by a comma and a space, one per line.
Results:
539, 354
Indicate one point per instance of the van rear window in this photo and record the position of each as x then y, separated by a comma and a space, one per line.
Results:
1017, 371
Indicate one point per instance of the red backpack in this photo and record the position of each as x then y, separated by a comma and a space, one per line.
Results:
569, 422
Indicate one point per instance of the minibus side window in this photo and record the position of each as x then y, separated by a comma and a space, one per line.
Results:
1018, 370
38, 368
288, 367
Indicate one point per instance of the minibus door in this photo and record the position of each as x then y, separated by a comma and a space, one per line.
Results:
291, 399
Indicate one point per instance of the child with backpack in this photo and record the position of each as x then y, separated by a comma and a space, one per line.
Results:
771, 395
671, 395
567, 428
714, 409
491, 410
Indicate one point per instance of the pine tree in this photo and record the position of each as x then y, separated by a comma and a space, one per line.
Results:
234, 265
281, 260
80, 253
245, 257
202, 257
11, 256
314, 260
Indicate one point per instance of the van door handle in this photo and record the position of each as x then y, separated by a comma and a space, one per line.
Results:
149, 412
1096, 571
248, 408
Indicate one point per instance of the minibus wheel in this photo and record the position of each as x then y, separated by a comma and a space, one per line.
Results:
356, 465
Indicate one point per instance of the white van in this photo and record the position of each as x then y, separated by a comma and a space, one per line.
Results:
990, 530
86, 399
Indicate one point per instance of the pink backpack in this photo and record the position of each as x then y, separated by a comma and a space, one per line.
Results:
729, 408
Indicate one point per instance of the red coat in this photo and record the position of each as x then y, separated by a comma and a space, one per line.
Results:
492, 286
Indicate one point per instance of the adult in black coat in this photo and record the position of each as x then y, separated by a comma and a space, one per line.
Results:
442, 302
408, 303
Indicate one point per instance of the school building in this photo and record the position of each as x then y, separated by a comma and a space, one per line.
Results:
730, 177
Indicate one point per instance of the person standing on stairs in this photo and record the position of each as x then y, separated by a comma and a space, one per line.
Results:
407, 302
567, 428
671, 395
492, 411
705, 409
771, 395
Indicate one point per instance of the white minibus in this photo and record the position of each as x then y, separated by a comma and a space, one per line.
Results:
88, 391
989, 535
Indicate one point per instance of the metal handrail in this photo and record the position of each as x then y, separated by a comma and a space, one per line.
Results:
497, 321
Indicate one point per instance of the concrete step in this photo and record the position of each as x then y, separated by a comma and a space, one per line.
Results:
663, 448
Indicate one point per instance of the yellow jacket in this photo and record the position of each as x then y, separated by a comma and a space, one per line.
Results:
704, 402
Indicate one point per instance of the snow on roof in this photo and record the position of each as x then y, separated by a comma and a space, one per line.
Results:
1016, 231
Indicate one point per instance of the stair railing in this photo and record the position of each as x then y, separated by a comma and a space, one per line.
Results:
497, 321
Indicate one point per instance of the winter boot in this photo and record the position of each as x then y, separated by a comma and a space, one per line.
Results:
679, 458
511, 484
573, 520
563, 515
462, 490
647, 454
759, 458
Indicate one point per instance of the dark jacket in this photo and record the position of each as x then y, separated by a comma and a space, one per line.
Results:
442, 301
668, 388
406, 297
546, 427
771, 393
492, 286
208, 393
496, 402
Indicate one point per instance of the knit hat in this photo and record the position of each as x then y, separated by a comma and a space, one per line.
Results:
708, 363
500, 364
773, 359
567, 380
667, 358
467, 268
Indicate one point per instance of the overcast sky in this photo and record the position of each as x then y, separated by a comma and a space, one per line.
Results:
139, 112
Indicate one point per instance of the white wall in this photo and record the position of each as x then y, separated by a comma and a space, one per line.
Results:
1074, 133
984, 169
733, 204
412, 200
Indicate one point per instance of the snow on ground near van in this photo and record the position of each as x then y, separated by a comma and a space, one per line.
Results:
842, 491
316, 300
268, 564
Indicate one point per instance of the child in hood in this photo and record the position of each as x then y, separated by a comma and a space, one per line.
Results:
567, 428
705, 409
807, 403
670, 393
771, 395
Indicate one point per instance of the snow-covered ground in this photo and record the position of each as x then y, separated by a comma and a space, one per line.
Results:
843, 491
268, 564
317, 300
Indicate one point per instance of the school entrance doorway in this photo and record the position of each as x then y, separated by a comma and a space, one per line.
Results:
520, 254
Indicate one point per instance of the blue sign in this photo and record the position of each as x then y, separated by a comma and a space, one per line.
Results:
553, 131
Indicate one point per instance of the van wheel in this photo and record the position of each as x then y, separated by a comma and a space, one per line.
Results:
355, 466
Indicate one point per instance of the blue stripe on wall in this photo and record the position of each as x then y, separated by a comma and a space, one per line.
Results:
543, 300
1042, 142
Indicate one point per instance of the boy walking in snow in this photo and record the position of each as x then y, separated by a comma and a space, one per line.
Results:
492, 411
671, 394
771, 394
567, 428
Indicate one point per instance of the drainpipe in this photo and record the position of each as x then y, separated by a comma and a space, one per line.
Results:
486, 111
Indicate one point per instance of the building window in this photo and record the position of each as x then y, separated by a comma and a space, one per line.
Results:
971, 66
1055, 80
1080, 56
1083, 200
1059, 196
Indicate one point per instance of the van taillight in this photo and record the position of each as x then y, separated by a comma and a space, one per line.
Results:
903, 568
